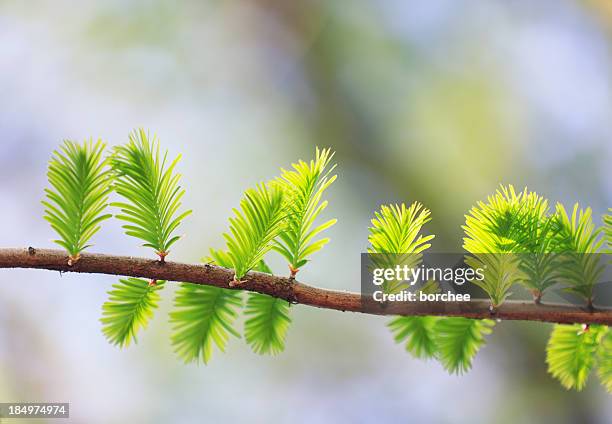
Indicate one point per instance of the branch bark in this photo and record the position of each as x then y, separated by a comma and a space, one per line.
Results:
294, 291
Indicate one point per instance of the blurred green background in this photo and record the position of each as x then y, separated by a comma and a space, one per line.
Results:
437, 101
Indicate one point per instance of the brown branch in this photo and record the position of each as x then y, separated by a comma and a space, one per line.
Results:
293, 291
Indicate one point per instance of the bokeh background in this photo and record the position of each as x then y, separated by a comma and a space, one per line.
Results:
437, 101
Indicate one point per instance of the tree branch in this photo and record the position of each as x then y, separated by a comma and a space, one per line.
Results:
293, 291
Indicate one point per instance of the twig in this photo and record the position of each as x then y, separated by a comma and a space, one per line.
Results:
294, 291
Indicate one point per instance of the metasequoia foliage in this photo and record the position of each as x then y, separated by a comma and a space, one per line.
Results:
283, 215
80, 185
